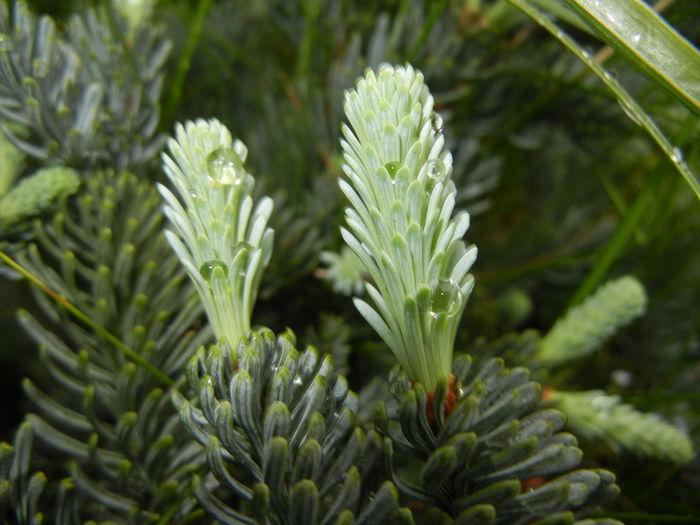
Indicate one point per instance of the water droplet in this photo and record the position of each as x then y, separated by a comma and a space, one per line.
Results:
208, 268
193, 194
610, 75
392, 167
446, 298
622, 378
630, 113
298, 381
437, 122
676, 155
637, 38
209, 381
243, 246
436, 169
223, 166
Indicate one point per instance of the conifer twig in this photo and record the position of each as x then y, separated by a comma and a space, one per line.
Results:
131, 354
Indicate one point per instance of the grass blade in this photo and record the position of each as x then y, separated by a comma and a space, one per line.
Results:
131, 354
650, 44
631, 107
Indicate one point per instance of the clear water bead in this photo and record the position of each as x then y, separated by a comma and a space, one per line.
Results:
223, 166
240, 246
446, 298
207, 269
436, 169
610, 75
392, 167
622, 378
629, 111
676, 155
437, 122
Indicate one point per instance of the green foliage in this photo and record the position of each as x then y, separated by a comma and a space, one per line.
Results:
476, 456
135, 13
333, 335
223, 242
281, 437
11, 165
87, 99
592, 413
36, 194
587, 326
400, 223
637, 32
344, 272
596, 415
564, 192
112, 426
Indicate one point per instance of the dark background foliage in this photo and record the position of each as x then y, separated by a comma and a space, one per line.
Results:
549, 165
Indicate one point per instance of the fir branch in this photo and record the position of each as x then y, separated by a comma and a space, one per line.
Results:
281, 437
585, 327
107, 418
82, 98
222, 241
484, 449
595, 415
136, 358
36, 194
24, 490
400, 224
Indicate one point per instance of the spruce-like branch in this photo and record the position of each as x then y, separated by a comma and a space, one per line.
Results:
486, 453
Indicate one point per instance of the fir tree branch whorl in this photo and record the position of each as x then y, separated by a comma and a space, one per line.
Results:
221, 238
281, 435
400, 224
478, 457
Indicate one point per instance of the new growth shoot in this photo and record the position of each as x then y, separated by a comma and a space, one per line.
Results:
221, 238
400, 224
